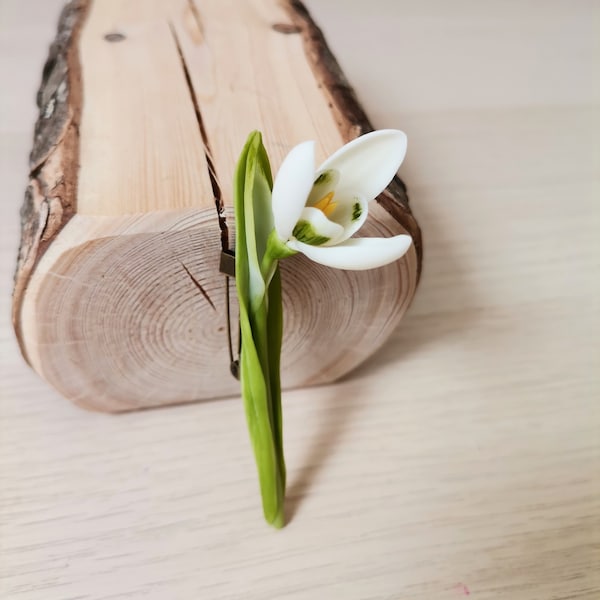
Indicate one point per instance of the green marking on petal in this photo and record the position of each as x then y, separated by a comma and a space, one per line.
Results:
325, 177
356, 211
305, 232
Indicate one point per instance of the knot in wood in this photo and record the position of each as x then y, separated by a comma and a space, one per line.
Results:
286, 28
114, 36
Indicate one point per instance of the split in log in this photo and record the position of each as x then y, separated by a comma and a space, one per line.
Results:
145, 106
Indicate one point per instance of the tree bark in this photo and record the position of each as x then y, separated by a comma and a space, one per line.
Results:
50, 196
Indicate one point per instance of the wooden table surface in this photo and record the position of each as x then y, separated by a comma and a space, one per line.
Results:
464, 458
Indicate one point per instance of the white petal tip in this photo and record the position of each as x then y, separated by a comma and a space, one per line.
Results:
357, 254
368, 163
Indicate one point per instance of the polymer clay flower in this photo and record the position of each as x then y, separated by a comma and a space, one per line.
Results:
317, 213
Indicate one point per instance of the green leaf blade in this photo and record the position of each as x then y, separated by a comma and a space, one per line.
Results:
262, 401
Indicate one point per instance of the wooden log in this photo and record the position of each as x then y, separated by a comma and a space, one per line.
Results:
144, 108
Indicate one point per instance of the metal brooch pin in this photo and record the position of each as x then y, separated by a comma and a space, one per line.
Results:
227, 267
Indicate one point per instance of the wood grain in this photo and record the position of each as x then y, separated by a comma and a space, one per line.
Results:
463, 460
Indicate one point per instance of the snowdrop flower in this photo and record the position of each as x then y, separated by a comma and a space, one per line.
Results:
317, 213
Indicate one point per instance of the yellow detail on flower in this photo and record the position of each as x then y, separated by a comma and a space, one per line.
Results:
326, 204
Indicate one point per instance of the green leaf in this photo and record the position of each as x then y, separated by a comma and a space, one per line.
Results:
252, 188
275, 335
255, 394
260, 348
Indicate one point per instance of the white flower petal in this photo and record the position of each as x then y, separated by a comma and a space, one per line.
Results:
350, 213
357, 254
291, 188
324, 183
316, 229
368, 163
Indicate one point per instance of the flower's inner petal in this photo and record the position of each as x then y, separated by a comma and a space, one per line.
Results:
367, 164
357, 254
350, 212
315, 229
326, 204
291, 188
323, 186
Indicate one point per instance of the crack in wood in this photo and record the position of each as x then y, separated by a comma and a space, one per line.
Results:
214, 182
199, 286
